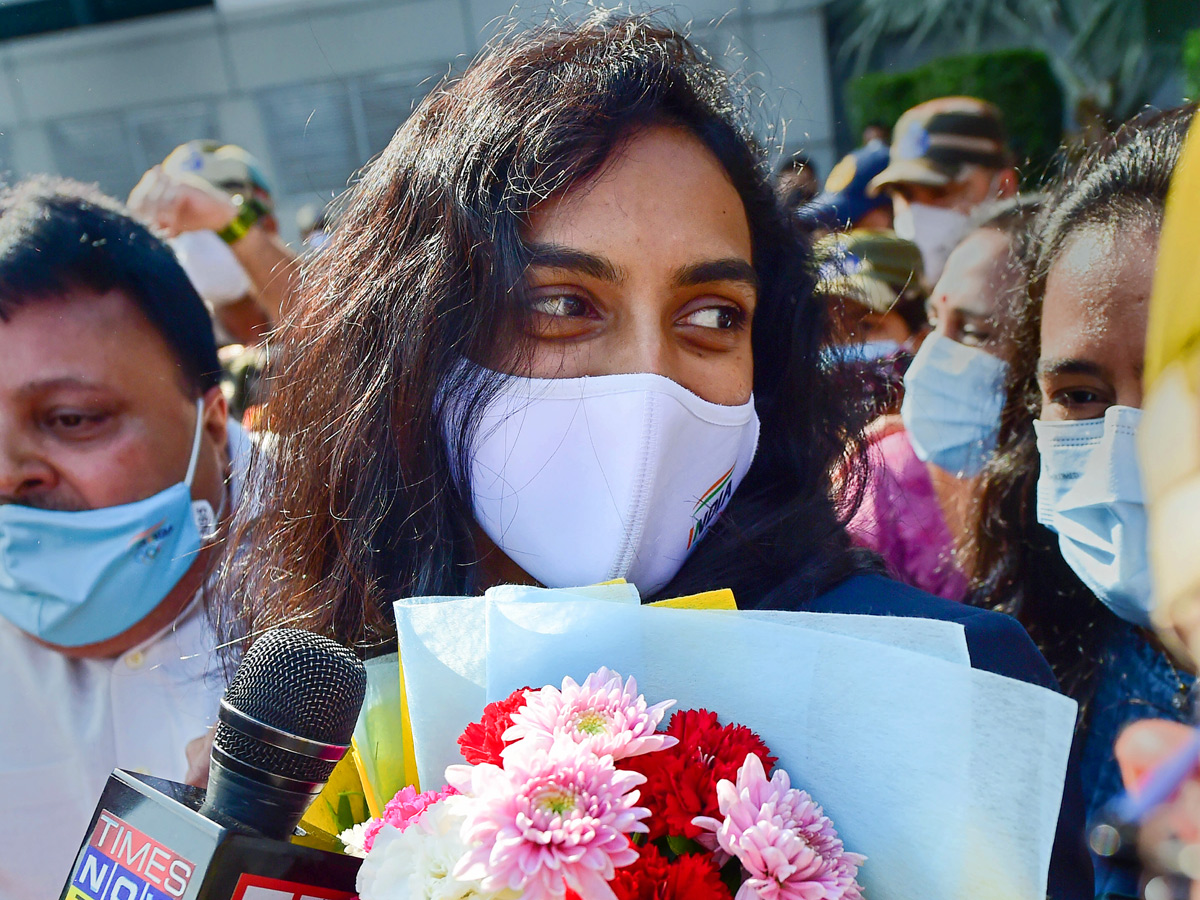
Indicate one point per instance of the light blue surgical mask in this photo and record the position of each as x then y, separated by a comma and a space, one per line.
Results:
953, 397
862, 352
1089, 493
76, 578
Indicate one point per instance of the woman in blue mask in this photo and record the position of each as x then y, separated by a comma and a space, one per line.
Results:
1061, 537
925, 461
564, 333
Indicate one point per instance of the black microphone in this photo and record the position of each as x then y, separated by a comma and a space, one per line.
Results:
284, 723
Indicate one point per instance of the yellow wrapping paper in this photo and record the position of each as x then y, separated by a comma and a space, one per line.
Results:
722, 599
1169, 436
342, 799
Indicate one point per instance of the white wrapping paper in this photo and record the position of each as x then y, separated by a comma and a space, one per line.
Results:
442, 645
932, 637
949, 779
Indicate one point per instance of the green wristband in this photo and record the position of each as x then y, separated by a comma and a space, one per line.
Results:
249, 212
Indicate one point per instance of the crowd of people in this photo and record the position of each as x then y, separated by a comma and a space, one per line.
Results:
922, 385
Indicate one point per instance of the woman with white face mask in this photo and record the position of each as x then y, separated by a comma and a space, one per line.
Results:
925, 462
565, 334
1061, 538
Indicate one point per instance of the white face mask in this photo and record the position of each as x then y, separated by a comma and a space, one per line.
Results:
1089, 493
935, 230
582, 480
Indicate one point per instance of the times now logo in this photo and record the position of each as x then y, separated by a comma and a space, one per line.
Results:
121, 863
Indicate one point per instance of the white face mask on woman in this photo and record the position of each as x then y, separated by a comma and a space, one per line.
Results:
582, 480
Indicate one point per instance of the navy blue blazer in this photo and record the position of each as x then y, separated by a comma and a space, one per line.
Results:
997, 643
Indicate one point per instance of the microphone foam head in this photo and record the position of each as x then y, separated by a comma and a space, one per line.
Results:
300, 683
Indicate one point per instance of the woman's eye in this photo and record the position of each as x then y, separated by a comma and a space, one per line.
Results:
560, 305
1078, 398
721, 318
975, 332
975, 337
558, 315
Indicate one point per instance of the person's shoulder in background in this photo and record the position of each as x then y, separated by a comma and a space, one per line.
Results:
997, 642
900, 517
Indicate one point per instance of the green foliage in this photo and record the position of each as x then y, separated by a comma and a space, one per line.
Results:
868, 24
1020, 82
1191, 64
1110, 56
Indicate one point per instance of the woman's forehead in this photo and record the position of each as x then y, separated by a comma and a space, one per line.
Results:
663, 191
1097, 294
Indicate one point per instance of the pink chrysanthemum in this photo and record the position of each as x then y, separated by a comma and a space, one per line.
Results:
402, 810
782, 838
601, 715
549, 820
407, 806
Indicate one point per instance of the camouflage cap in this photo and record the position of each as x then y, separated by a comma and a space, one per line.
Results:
874, 268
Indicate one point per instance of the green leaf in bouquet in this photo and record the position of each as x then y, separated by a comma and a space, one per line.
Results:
679, 845
350, 809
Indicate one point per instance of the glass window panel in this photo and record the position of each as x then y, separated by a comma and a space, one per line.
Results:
387, 100
95, 149
310, 129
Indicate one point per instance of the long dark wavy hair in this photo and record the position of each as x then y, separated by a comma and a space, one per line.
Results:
358, 505
1018, 568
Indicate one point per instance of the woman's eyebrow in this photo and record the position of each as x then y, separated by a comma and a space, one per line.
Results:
731, 269
556, 256
1049, 368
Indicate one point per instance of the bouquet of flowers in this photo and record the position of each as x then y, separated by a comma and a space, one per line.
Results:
574, 788
574, 792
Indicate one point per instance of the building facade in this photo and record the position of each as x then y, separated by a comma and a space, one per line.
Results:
315, 88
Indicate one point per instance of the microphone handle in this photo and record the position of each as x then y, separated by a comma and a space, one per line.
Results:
271, 811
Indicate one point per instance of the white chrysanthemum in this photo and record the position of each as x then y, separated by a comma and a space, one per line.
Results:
354, 840
418, 862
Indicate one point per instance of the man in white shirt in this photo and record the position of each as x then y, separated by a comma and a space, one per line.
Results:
117, 471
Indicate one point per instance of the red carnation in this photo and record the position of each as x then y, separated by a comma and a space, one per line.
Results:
693, 876
681, 781
482, 741
640, 879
